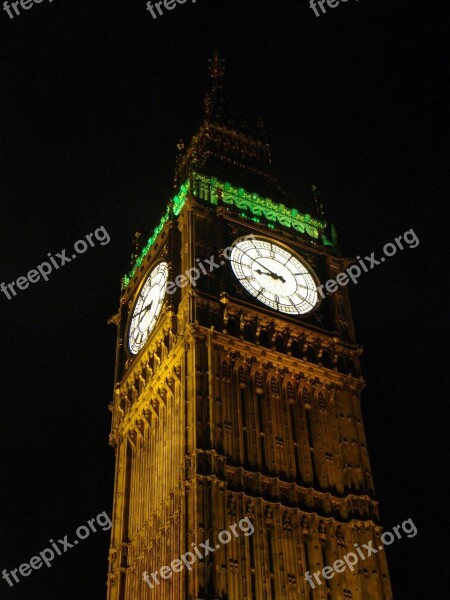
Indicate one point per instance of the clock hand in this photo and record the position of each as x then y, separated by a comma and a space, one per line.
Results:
144, 309
280, 277
261, 265
262, 272
270, 273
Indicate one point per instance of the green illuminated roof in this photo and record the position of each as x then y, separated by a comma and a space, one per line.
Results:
206, 188
178, 202
250, 205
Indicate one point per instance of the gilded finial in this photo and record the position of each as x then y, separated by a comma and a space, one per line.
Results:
318, 201
216, 71
216, 66
137, 247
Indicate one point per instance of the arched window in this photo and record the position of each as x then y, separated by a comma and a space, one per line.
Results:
242, 377
322, 402
295, 350
274, 385
225, 369
311, 355
279, 344
290, 392
326, 362
264, 339
306, 396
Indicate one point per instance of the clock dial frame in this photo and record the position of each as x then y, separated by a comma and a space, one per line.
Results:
275, 276
147, 308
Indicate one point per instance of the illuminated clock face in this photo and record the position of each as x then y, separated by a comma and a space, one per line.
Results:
148, 307
274, 276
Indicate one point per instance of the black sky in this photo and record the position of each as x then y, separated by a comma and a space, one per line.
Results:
95, 96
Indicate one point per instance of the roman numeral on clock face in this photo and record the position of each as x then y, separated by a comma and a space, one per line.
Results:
147, 308
274, 276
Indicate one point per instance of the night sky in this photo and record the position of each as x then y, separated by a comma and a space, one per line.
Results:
95, 96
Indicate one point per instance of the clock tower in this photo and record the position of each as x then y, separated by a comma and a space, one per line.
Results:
237, 391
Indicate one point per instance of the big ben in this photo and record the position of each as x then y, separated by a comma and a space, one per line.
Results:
237, 391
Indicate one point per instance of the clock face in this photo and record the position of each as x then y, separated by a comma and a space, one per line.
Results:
274, 276
148, 307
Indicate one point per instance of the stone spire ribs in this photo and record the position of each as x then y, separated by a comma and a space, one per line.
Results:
226, 147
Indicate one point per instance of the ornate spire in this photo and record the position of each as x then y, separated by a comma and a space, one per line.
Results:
214, 99
217, 67
137, 247
318, 201
225, 146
